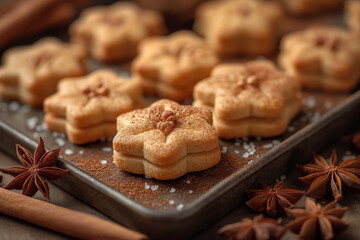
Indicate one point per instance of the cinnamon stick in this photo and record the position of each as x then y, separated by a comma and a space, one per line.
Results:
20, 17
11, 24
57, 16
63, 220
6, 6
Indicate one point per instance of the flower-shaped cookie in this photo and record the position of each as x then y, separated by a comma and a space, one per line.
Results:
166, 140
234, 27
311, 7
322, 58
352, 16
31, 73
112, 33
86, 108
251, 99
170, 66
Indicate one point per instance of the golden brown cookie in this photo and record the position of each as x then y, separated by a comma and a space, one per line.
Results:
170, 66
31, 73
311, 7
323, 58
86, 108
166, 140
352, 16
239, 27
251, 99
112, 33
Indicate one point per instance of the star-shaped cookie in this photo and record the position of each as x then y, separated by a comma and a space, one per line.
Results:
31, 73
170, 66
166, 140
322, 57
239, 27
86, 108
112, 33
251, 99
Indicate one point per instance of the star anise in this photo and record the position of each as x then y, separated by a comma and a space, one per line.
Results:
314, 219
321, 176
258, 229
272, 200
38, 168
356, 140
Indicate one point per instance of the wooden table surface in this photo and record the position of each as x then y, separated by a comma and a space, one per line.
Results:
14, 229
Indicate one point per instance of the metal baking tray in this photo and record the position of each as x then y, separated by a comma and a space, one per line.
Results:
179, 208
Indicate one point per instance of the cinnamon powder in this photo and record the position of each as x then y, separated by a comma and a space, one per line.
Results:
237, 155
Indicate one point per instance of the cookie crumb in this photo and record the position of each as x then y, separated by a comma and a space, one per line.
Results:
60, 142
154, 187
14, 106
309, 102
275, 142
106, 149
180, 207
69, 152
268, 145
224, 149
31, 122
36, 135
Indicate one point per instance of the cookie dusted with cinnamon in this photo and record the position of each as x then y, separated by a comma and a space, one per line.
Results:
112, 33
30, 73
311, 7
251, 99
166, 140
170, 66
239, 27
86, 108
323, 58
